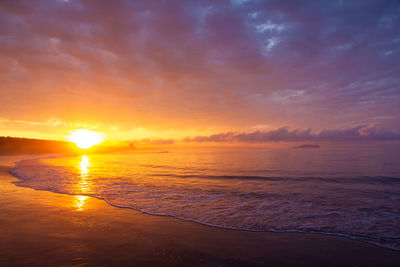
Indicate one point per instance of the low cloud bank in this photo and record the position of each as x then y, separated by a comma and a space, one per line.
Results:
356, 133
149, 141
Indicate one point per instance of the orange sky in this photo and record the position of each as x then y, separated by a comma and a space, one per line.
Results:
184, 69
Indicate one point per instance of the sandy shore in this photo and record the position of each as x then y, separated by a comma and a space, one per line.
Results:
39, 228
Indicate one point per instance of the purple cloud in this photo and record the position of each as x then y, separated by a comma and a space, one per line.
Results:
148, 141
196, 64
356, 133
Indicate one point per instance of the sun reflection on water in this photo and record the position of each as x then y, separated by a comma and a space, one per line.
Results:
84, 165
83, 186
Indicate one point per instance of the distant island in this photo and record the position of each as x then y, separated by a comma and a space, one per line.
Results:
306, 146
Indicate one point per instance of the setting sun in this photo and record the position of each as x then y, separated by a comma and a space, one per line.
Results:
85, 138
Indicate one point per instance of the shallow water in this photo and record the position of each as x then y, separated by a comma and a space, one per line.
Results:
354, 192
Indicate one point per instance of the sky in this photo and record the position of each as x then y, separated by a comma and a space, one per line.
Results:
201, 71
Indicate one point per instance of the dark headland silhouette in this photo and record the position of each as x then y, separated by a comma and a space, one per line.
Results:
15, 145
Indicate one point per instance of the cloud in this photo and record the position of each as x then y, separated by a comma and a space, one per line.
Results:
149, 141
356, 133
197, 64
52, 122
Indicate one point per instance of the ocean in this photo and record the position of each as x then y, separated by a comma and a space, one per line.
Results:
348, 191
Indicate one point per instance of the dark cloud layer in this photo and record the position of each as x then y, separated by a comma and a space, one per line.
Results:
198, 64
356, 133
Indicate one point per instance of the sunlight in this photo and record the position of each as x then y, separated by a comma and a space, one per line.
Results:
79, 202
84, 165
84, 184
84, 138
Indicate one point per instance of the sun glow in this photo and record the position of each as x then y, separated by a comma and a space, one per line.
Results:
85, 138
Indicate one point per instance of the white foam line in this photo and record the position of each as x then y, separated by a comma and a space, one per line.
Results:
359, 238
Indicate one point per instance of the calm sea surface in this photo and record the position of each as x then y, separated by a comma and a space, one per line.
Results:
353, 192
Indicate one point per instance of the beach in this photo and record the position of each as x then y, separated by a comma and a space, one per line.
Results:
199, 133
40, 228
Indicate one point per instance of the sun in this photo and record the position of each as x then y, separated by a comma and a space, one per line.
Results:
85, 138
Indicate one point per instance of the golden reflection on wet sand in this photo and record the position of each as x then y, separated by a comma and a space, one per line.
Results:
80, 202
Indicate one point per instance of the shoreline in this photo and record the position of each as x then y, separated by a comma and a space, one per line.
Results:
44, 228
359, 238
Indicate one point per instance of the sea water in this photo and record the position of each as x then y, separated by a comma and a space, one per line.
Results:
348, 191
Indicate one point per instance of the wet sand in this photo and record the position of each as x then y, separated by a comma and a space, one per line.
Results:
40, 228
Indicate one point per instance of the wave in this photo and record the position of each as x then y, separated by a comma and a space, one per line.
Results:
342, 180
364, 208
